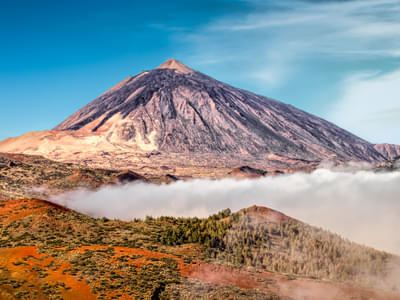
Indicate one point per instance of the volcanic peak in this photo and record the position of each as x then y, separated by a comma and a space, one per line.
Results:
174, 109
175, 65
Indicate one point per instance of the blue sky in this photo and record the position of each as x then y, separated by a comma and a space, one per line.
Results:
337, 59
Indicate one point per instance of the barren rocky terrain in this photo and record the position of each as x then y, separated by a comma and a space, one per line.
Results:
36, 176
177, 118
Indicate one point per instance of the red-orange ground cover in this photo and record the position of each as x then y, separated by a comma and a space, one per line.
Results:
20, 208
206, 272
21, 261
146, 255
17, 209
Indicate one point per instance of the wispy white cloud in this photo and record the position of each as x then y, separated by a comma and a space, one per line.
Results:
370, 106
335, 24
378, 29
297, 32
261, 22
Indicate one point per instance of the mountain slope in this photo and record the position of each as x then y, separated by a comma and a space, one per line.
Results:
175, 109
178, 115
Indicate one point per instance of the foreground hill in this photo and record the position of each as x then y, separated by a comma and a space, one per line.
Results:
49, 252
179, 118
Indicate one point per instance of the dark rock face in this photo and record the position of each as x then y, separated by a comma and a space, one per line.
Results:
246, 170
171, 177
129, 176
175, 109
11, 164
250, 170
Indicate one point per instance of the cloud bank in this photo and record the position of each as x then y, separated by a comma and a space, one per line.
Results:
362, 206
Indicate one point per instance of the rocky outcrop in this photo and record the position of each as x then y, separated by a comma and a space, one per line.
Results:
247, 172
129, 176
389, 151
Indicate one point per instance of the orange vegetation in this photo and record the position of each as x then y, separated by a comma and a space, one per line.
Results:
21, 261
146, 255
17, 209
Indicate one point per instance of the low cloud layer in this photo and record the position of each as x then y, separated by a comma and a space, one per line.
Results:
363, 206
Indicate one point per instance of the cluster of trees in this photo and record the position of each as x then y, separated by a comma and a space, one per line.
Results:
208, 232
297, 248
285, 247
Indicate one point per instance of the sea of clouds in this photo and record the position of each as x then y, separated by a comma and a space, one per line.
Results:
361, 205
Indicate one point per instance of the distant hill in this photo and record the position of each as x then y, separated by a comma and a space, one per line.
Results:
35, 176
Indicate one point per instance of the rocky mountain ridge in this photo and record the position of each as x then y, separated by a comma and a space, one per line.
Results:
390, 151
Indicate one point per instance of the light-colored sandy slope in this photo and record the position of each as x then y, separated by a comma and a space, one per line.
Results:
52, 143
107, 151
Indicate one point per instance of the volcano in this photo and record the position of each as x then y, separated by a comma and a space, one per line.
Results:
176, 116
